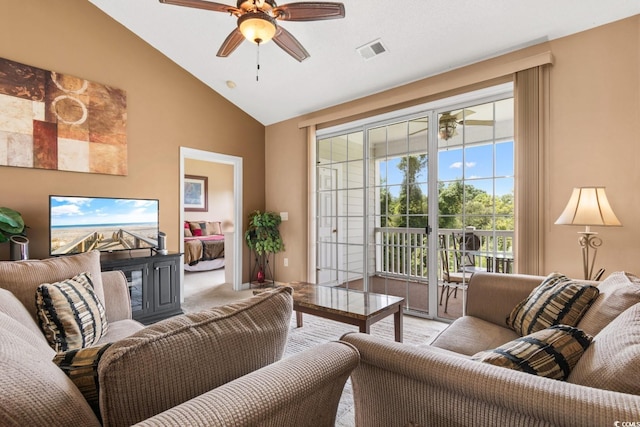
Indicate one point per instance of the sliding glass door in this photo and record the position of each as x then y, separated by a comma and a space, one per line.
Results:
392, 196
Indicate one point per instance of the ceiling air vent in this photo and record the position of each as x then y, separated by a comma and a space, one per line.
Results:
372, 49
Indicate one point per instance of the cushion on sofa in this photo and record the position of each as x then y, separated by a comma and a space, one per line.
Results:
557, 300
611, 362
469, 335
11, 306
81, 366
120, 330
551, 352
70, 314
618, 292
24, 330
35, 392
23, 277
224, 343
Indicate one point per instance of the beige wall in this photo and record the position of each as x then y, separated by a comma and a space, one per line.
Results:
219, 190
286, 180
167, 108
594, 140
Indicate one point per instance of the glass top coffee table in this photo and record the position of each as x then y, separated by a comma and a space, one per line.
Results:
349, 306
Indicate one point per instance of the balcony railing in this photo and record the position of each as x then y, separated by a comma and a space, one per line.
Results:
404, 252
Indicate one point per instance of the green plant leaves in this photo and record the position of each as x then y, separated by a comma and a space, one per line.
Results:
263, 235
10, 223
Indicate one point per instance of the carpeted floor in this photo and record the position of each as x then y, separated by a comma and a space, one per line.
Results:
205, 289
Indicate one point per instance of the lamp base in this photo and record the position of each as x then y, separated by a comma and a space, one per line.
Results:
589, 242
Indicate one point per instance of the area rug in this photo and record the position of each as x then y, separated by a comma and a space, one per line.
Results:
316, 330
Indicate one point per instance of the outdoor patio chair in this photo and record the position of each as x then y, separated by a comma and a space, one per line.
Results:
451, 280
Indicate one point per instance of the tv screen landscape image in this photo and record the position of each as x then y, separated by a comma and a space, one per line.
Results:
81, 224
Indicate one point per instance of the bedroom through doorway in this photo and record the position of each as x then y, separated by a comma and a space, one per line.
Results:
209, 211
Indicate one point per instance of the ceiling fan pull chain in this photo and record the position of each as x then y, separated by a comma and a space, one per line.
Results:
258, 63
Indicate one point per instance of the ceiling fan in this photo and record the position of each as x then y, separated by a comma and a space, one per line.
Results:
257, 21
449, 121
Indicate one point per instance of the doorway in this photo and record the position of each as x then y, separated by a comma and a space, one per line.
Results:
233, 240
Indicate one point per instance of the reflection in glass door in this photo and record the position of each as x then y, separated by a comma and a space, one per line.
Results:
327, 225
340, 211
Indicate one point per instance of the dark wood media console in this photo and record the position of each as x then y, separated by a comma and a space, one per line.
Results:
154, 282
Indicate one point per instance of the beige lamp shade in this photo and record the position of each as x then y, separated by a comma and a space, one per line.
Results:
588, 206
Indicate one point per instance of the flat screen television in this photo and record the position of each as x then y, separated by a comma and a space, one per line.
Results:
81, 224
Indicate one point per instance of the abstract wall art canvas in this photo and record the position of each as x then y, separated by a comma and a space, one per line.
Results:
55, 121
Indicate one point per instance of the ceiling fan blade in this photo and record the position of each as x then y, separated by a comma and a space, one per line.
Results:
449, 115
230, 44
309, 11
477, 122
289, 44
206, 5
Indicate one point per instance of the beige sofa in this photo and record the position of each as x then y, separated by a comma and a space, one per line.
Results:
217, 367
438, 385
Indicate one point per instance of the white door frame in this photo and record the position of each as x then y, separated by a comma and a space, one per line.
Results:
236, 245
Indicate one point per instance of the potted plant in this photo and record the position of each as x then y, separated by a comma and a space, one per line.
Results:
11, 223
12, 230
263, 238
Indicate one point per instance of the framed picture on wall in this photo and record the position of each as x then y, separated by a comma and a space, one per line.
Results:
195, 193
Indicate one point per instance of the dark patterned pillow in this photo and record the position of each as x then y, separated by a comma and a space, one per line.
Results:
81, 366
198, 228
557, 300
70, 314
551, 352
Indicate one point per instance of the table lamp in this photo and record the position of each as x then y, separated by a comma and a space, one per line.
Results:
588, 206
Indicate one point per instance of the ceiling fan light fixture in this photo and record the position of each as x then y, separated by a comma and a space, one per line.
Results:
257, 27
447, 129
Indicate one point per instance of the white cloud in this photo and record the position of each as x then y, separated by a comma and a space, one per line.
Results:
458, 165
72, 200
66, 210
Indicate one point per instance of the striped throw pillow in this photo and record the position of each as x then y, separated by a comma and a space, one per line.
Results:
557, 300
70, 314
81, 366
551, 352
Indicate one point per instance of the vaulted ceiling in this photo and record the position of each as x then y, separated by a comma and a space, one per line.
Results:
421, 38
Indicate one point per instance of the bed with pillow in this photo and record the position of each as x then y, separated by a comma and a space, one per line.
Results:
203, 245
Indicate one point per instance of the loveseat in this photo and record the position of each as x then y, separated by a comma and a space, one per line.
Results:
442, 385
220, 366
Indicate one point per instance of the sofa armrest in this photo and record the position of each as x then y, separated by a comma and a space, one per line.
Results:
398, 384
492, 296
117, 302
301, 390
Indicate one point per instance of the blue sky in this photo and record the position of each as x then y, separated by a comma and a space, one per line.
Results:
475, 164
89, 210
